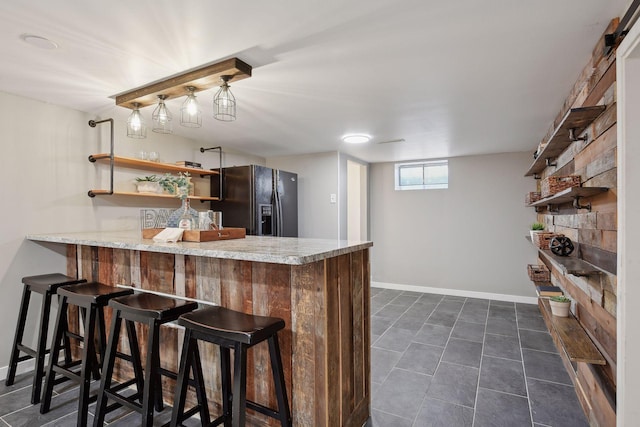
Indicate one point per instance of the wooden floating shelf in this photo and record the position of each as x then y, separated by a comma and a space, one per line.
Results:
93, 193
147, 164
571, 336
571, 265
577, 119
200, 78
568, 264
569, 195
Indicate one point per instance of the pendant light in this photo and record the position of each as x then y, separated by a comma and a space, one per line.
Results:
190, 115
161, 117
136, 128
224, 103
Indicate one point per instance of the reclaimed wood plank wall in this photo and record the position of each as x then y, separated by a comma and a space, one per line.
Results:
325, 305
596, 231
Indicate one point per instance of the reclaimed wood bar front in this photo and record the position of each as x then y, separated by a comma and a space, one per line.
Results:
319, 287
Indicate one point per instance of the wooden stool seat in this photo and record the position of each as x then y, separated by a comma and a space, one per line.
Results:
47, 285
232, 325
229, 329
152, 310
90, 298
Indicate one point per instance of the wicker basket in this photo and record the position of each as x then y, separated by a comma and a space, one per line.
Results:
542, 240
531, 197
538, 273
555, 184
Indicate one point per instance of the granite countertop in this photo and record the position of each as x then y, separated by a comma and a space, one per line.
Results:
278, 250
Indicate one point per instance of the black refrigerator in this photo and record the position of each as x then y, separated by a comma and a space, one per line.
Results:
260, 199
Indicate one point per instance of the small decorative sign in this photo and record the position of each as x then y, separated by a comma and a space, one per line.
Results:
154, 218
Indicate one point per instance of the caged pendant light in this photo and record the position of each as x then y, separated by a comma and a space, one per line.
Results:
224, 103
136, 127
190, 114
161, 117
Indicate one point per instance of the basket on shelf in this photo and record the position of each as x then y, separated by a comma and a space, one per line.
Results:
542, 240
555, 184
532, 197
538, 273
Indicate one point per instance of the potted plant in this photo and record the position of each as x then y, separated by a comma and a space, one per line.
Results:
148, 184
536, 227
560, 305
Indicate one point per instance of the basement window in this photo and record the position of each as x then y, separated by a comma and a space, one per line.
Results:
429, 175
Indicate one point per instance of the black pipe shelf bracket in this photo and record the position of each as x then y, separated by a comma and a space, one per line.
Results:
219, 150
573, 137
94, 123
577, 205
548, 162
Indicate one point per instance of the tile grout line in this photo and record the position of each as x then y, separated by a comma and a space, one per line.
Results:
524, 370
475, 402
415, 419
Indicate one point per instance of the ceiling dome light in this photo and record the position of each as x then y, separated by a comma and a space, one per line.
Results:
39, 41
356, 138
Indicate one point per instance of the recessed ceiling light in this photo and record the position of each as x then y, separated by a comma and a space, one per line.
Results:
39, 41
356, 138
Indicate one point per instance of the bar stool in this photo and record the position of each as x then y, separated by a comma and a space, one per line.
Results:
152, 310
47, 285
230, 330
91, 298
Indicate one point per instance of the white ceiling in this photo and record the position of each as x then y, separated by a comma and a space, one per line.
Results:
451, 78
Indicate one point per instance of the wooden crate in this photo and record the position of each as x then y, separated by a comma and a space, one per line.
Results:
531, 197
226, 233
542, 240
555, 184
538, 273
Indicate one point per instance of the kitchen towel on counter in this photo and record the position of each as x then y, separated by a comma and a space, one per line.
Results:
169, 235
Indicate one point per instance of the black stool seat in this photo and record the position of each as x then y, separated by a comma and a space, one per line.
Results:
232, 325
230, 330
90, 298
49, 282
92, 293
153, 306
152, 310
47, 285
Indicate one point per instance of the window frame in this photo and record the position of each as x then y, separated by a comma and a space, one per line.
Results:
424, 186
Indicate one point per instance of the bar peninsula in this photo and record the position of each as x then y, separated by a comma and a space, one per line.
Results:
319, 287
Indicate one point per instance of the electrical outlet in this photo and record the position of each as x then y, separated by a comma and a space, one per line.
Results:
333, 198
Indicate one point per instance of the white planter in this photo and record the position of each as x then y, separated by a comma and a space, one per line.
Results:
534, 232
148, 187
560, 309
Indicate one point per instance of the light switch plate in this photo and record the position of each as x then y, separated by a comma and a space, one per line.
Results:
333, 198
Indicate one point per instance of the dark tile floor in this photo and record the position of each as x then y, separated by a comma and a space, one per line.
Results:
436, 361
454, 362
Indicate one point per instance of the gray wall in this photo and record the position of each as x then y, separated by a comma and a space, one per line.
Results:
469, 237
317, 179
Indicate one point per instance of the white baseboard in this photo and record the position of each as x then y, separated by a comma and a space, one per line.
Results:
456, 292
25, 366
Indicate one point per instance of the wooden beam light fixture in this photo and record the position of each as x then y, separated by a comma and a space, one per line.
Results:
201, 78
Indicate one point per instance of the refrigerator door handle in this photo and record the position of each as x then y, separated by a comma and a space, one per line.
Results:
279, 224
